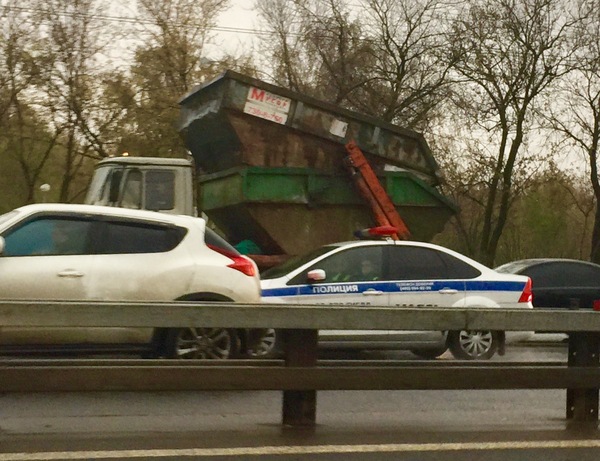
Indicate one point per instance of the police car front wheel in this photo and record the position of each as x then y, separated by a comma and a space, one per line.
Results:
264, 344
473, 344
429, 354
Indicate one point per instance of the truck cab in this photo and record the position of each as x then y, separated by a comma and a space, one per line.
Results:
146, 183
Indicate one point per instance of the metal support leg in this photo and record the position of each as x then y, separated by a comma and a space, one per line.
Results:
300, 407
582, 404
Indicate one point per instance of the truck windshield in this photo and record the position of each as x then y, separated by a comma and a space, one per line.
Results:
95, 194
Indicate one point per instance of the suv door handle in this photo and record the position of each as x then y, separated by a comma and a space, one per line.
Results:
448, 291
70, 273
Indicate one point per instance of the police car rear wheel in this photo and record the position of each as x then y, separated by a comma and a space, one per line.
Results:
473, 344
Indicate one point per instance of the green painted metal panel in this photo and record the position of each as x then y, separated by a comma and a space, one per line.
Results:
292, 210
306, 186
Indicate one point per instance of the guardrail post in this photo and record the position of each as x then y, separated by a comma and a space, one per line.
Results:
300, 407
582, 404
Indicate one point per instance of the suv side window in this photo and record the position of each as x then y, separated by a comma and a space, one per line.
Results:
50, 236
123, 237
417, 263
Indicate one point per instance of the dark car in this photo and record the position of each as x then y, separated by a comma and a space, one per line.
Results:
559, 283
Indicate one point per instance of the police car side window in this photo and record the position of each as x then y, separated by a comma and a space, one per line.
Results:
459, 269
347, 266
416, 263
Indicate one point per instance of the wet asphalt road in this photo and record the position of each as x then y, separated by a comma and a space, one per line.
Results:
361, 425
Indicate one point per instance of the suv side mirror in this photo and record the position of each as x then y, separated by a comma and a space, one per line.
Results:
2, 245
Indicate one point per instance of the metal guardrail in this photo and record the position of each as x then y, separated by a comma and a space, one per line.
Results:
300, 374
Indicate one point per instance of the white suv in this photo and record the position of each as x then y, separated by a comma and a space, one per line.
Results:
84, 252
397, 274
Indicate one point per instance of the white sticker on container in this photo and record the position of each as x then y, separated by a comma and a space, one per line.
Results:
338, 128
269, 106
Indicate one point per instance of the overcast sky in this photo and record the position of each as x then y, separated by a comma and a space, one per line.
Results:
240, 16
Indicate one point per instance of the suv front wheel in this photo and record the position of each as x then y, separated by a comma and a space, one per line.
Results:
201, 343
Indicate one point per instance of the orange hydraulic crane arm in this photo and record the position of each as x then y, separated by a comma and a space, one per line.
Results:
371, 189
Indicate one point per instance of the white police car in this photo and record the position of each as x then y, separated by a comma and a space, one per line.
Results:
403, 274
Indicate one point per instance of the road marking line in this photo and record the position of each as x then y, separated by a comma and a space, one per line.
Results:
299, 450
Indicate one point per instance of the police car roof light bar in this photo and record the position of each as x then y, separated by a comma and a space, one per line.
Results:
375, 232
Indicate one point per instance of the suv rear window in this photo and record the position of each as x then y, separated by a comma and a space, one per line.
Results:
134, 237
213, 239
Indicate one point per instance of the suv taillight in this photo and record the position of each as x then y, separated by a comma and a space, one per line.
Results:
527, 295
240, 263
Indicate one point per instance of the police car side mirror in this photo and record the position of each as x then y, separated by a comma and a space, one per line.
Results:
316, 275
2, 245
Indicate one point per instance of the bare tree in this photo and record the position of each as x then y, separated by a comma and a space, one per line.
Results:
24, 142
507, 53
386, 58
173, 58
315, 47
411, 66
72, 45
282, 44
575, 111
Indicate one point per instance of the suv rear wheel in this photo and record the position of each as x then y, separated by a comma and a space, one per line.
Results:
201, 343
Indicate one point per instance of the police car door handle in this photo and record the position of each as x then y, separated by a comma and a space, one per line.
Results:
448, 291
70, 273
372, 293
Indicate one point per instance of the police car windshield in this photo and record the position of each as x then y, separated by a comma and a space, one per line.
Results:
294, 262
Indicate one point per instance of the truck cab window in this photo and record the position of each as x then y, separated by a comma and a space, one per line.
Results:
160, 190
132, 190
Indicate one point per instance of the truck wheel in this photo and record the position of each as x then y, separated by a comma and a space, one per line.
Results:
472, 344
201, 343
429, 354
264, 344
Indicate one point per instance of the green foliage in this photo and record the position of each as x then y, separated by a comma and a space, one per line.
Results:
552, 219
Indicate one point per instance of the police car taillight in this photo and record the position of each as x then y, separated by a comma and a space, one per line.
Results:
376, 232
240, 263
527, 295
